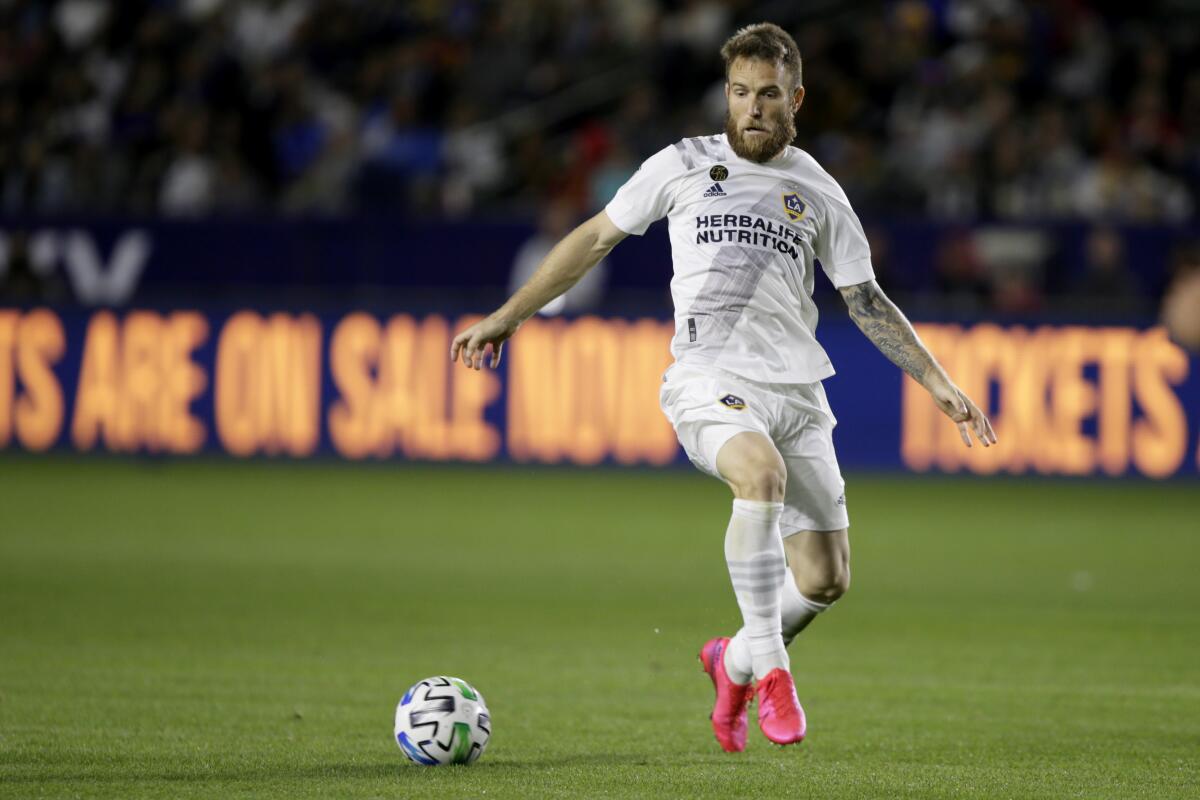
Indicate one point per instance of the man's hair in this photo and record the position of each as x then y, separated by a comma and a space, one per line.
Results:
765, 41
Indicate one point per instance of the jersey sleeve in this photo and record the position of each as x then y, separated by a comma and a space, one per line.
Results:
841, 243
649, 195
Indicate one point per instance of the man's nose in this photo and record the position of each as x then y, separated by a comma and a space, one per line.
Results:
755, 109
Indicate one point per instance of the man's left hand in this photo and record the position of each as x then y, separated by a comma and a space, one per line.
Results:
966, 415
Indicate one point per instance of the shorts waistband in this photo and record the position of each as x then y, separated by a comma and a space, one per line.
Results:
677, 368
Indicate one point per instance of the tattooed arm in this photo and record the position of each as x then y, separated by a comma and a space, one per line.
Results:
884, 324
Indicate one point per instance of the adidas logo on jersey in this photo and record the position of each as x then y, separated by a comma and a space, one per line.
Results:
715, 191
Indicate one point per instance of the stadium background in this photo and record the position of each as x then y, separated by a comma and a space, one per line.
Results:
245, 231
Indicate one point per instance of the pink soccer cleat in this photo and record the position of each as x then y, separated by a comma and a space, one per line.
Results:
729, 712
779, 713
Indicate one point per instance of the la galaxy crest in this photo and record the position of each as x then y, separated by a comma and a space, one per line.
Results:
794, 206
732, 401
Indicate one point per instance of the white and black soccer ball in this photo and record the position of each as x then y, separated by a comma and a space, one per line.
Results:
442, 720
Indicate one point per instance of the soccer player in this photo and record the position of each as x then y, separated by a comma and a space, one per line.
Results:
749, 215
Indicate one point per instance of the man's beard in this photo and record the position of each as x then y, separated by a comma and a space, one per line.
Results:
761, 149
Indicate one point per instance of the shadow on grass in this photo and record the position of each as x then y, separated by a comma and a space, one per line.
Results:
136, 774
616, 760
142, 773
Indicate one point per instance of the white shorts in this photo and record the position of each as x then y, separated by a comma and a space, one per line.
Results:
707, 407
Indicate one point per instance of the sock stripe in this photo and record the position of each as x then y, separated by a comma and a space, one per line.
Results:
769, 579
766, 564
775, 577
761, 558
775, 572
777, 566
760, 592
761, 581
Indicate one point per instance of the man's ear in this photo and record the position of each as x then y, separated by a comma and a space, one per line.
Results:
797, 98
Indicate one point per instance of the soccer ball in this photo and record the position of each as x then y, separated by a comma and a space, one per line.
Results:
442, 720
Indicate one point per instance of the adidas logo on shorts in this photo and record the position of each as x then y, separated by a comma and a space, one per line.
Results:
715, 191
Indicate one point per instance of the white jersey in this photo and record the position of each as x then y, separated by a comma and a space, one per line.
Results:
743, 239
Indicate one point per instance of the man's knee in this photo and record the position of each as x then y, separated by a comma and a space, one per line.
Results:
826, 584
820, 562
753, 468
760, 482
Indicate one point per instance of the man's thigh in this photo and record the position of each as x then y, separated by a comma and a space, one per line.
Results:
707, 409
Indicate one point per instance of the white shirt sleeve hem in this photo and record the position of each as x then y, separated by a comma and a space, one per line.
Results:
624, 218
850, 273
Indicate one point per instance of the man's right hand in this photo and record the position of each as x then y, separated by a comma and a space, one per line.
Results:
473, 341
568, 261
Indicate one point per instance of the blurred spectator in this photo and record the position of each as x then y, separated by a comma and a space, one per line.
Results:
1014, 291
28, 277
556, 221
1116, 186
961, 275
474, 158
1016, 261
264, 30
1059, 161
613, 171
1107, 283
189, 182
402, 156
1181, 304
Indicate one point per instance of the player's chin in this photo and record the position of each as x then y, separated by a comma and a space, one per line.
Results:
757, 151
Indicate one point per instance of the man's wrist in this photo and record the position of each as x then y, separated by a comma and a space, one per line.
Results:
936, 380
508, 318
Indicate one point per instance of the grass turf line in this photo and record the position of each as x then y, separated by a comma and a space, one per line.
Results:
244, 630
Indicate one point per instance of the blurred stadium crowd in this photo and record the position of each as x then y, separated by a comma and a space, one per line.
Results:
952, 110
959, 109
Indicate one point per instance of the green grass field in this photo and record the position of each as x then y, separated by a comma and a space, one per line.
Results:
222, 630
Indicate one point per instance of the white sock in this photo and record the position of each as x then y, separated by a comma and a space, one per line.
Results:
796, 611
754, 555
